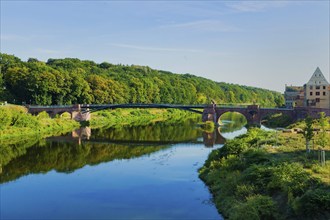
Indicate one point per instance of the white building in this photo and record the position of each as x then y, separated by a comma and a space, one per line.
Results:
317, 91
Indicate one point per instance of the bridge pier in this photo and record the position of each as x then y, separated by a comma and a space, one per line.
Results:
253, 115
210, 114
80, 116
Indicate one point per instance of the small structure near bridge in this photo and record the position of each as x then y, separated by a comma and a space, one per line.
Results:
74, 110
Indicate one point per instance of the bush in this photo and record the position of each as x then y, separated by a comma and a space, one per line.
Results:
243, 191
255, 156
291, 178
255, 207
258, 175
21, 120
43, 115
5, 117
314, 204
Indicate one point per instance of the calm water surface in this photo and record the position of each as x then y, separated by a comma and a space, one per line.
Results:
145, 172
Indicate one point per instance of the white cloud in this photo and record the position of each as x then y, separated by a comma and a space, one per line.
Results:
162, 49
204, 25
256, 6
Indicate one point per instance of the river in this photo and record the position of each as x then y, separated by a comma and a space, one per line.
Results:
147, 172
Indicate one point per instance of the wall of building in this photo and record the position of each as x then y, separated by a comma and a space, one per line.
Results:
317, 96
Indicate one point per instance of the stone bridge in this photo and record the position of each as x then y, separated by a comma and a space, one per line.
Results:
253, 113
75, 111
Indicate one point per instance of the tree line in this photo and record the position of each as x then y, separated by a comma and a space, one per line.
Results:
71, 81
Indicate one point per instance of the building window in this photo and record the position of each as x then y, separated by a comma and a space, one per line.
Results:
324, 93
323, 87
310, 87
317, 100
317, 87
317, 93
311, 93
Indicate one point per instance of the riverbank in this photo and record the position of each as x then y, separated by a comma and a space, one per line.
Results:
16, 123
268, 175
20, 130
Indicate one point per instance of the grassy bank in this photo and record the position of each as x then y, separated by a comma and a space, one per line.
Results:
136, 117
16, 124
268, 175
20, 130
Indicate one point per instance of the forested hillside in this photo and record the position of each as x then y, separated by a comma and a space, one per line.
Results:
69, 81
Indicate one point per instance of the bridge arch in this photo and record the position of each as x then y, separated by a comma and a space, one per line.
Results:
232, 116
64, 114
250, 115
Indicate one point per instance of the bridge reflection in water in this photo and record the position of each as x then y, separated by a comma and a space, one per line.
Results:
84, 135
90, 147
161, 133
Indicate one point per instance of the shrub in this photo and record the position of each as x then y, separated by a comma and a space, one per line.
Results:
21, 120
314, 204
244, 191
258, 175
255, 207
291, 178
5, 117
43, 115
255, 156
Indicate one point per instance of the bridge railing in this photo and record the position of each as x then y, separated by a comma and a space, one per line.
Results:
50, 106
140, 106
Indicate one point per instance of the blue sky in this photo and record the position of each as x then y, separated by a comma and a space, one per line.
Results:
265, 44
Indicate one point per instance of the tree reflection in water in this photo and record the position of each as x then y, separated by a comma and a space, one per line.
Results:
90, 147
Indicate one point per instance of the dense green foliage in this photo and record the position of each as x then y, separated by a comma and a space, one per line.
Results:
68, 81
252, 179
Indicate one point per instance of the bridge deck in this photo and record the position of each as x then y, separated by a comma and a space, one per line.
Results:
91, 106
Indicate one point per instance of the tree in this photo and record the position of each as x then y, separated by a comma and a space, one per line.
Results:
2, 85
17, 82
323, 138
308, 132
70, 80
